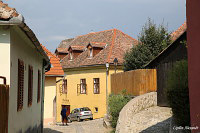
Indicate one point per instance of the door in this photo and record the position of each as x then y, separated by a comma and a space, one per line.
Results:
68, 109
4, 102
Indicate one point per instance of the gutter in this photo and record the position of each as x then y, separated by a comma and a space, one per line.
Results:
45, 66
54, 75
90, 66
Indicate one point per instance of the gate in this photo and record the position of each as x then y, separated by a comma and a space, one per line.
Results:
4, 104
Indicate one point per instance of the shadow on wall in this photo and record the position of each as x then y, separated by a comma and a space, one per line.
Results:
161, 127
48, 130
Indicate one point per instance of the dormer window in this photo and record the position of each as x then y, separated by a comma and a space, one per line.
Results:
70, 56
75, 51
91, 53
94, 48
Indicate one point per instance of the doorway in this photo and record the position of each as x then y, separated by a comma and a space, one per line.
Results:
68, 109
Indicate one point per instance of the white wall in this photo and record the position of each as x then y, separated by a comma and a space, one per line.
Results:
29, 117
5, 53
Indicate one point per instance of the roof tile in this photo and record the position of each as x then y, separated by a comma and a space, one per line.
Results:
7, 12
179, 31
56, 68
117, 44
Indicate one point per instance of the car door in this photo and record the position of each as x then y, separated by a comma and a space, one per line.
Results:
72, 114
75, 114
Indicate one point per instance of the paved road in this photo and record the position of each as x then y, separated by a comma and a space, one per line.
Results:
90, 126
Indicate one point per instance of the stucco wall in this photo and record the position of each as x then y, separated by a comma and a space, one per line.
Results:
5, 53
90, 99
132, 107
49, 96
29, 118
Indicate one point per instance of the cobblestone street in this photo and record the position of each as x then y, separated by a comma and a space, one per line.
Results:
90, 126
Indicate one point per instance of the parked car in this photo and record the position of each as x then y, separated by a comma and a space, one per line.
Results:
80, 114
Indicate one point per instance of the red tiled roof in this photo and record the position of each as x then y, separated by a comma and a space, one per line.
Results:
77, 47
62, 50
7, 12
9, 16
56, 68
97, 44
65, 43
117, 44
179, 31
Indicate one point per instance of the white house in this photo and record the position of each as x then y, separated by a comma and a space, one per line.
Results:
23, 63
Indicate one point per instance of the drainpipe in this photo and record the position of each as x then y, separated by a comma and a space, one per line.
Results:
45, 66
107, 69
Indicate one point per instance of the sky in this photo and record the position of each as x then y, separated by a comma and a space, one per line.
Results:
55, 20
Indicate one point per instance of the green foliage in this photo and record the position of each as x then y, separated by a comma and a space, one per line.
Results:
152, 40
178, 93
116, 103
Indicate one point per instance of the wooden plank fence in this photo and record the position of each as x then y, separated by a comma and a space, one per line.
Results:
4, 102
136, 82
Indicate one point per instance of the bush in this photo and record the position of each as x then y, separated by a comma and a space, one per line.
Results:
116, 103
178, 93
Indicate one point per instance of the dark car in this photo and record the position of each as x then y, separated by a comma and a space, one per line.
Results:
80, 114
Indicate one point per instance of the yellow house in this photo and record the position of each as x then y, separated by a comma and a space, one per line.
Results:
55, 73
88, 66
23, 63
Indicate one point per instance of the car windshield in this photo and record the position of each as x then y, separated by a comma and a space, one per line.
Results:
85, 109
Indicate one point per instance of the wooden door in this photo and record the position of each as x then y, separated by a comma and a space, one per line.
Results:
68, 109
4, 102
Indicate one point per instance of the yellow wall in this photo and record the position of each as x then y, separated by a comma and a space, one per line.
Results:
49, 97
90, 99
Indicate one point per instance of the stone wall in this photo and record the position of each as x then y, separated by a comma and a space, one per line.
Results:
134, 106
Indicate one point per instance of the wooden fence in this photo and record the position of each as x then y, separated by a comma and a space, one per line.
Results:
136, 82
4, 105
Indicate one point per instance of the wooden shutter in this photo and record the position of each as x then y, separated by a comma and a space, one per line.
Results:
30, 85
20, 85
39, 86
64, 86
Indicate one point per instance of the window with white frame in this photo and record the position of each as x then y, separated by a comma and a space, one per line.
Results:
96, 86
83, 86
64, 87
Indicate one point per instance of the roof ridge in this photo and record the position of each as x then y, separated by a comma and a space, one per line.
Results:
127, 35
94, 33
112, 44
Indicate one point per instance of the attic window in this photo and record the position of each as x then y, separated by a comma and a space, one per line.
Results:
91, 53
70, 56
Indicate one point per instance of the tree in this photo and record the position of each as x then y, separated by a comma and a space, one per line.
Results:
152, 40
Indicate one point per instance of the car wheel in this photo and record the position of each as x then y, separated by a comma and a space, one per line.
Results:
79, 119
91, 118
69, 120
